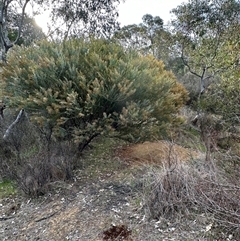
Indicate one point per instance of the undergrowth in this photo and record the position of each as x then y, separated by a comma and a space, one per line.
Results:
98, 159
183, 189
7, 189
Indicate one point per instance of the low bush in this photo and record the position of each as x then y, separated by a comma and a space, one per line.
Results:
35, 176
29, 160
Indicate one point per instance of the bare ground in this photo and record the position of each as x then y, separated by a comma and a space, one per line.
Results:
102, 203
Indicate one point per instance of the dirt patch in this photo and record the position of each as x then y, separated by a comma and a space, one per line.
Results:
159, 152
104, 202
97, 212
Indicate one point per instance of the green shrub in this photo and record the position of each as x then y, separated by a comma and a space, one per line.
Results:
81, 89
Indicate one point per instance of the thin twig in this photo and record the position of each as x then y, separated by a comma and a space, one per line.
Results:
46, 217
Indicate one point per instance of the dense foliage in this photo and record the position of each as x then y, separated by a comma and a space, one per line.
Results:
80, 89
223, 98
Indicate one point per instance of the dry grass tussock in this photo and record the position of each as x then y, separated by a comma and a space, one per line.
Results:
184, 189
158, 152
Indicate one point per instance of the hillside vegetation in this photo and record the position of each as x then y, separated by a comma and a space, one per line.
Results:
97, 143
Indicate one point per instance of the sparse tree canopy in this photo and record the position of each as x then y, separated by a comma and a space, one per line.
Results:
69, 18
149, 37
30, 32
78, 18
201, 30
223, 98
146, 37
81, 89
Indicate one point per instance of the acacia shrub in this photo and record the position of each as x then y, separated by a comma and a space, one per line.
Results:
80, 89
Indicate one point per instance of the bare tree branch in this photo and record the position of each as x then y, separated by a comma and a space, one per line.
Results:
9, 130
21, 22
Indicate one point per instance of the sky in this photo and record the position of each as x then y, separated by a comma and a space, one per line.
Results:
132, 11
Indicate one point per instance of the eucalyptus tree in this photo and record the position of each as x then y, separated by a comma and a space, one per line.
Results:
11, 17
30, 32
77, 18
68, 18
202, 29
140, 36
148, 37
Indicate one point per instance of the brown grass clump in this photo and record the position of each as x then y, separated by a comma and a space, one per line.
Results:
184, 189
155, 153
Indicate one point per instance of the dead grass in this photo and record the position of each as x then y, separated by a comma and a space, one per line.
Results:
158, 153
183, 189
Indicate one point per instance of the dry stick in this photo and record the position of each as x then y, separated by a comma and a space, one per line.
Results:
221, 213
46, 217
50, 215
18, 119
170, 164
6, 218
2, 108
